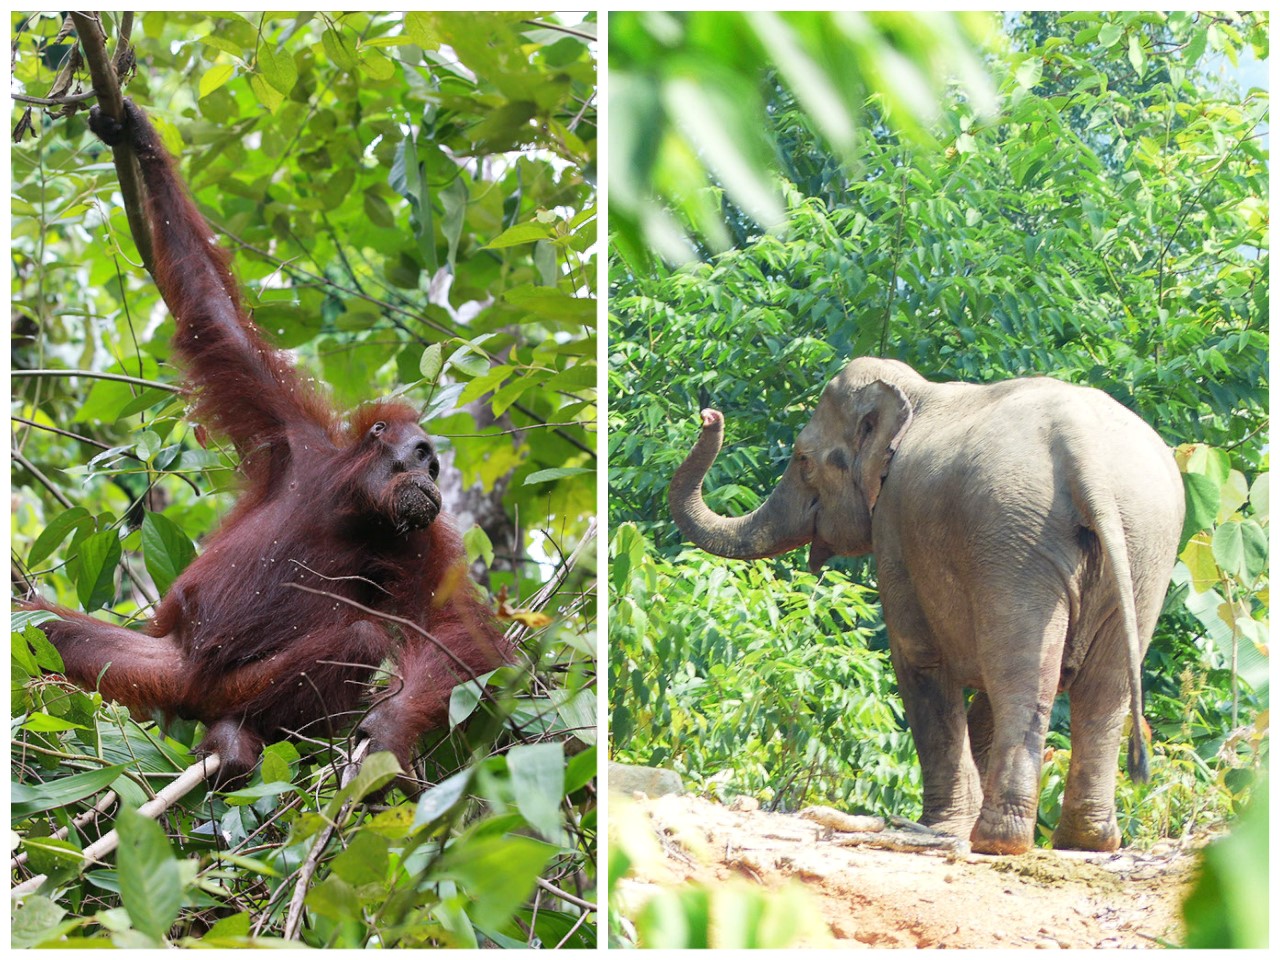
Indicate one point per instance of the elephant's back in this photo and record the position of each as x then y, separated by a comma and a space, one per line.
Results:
1009, 457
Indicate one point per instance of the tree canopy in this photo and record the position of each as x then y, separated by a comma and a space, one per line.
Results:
410, 203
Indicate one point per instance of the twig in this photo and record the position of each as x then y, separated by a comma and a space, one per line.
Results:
154, 808
96, 375
293, 919
549, 588
566, 896
105, 802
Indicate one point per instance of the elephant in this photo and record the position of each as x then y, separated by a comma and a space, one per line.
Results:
1024, 535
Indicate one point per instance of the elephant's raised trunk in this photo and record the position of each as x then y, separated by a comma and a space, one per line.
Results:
781, 523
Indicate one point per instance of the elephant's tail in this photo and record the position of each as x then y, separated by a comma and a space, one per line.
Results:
1103, 515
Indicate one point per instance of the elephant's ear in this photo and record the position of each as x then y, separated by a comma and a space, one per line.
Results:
883, 416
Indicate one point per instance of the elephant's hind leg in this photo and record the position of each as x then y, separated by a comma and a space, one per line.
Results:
1099, 704
1021, 660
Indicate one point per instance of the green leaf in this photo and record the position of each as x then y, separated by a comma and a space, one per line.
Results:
537, 780
478, 545
577, 711
453, 199
1028, 73
376, 771
166, 549
1110, 34
520, 233
215, 77
432, 362
28, 800
497, 873
1241, 549
365, 860
36, 920
469, 360
1202, 496
55, 532
278, 69
378, 210
1260, 496
43, 723
436, 801
334, 897
95, 581
46, 654
555, 473
1136, 57
151, 883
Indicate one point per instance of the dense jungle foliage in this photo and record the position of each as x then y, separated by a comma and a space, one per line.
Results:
410, 204
1096, 210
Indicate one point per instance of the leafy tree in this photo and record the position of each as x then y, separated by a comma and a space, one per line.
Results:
411, 206
1105, 223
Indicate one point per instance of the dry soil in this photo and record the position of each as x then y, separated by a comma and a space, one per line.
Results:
875, 897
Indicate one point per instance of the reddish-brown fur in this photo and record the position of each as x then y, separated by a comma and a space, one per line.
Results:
348, 510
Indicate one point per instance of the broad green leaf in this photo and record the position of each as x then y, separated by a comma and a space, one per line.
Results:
520, 233
37, 920
1198, 557
333, 897
436, 801
1202, 497
1136, 57
278, 69
166, 549
55, 532
215, 77
432, 362
151, 883
478, 545
453, 200
27, 800
1028, 73
1232, 495
1240, 548
95, 581
377, 770
537, 778
555, 473
43, 723
365, 859
267, 95
1260, 496
1110, 34
496, 873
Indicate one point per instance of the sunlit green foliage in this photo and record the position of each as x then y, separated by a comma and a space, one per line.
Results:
410, 204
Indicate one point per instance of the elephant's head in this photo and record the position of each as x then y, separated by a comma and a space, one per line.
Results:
831, 485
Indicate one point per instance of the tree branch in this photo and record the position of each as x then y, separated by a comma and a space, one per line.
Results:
106, 86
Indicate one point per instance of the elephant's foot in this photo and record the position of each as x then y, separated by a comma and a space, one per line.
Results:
1010, 833
1075, 831
958, 825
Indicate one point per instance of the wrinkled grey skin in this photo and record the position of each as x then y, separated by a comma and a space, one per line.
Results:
1024, 535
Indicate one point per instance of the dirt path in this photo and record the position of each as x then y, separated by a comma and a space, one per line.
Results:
884, 898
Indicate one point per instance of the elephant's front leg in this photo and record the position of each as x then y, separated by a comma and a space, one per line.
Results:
1021, 655
936, 714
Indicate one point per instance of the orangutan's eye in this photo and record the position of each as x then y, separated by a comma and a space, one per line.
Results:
422, 451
